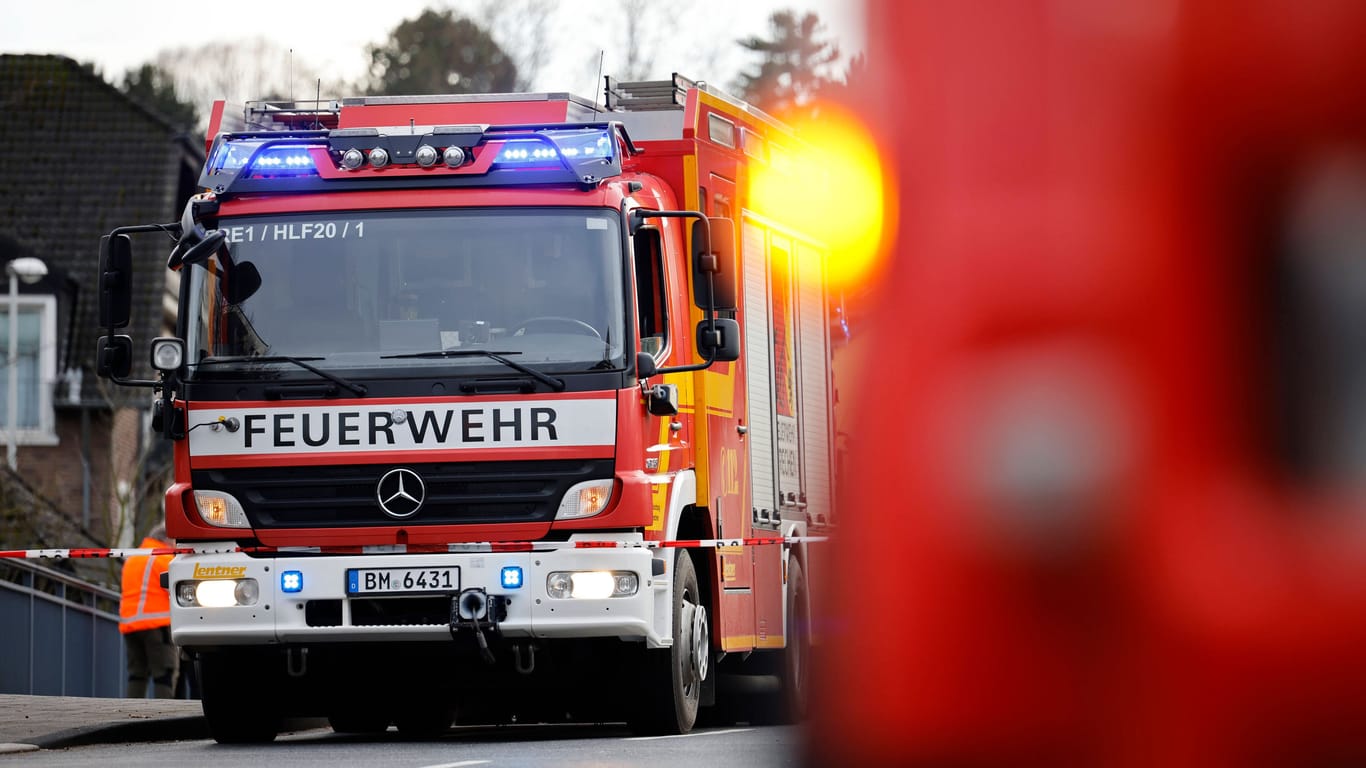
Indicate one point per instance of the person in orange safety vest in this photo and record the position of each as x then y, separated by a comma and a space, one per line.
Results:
145, 621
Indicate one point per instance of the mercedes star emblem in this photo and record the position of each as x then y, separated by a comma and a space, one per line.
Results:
400, 493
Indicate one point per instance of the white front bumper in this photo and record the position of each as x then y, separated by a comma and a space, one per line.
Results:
279, 617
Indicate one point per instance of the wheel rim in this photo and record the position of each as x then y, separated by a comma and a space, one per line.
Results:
701, 653
697, 642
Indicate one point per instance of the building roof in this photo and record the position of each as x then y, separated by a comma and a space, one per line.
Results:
78, 158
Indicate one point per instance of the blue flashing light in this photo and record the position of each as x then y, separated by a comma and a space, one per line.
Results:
284, 160
236, 156
512, 577
557, 148
232, 155
583, 143
528, 153
291, 581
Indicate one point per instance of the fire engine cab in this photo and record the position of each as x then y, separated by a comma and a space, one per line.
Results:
480, 414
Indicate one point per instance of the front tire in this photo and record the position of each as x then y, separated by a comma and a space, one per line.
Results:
237, 700
796, 669
672, 678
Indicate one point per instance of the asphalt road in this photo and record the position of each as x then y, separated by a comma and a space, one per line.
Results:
595, 746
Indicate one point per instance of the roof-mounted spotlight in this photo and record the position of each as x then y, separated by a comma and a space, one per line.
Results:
426, 156
453, 156
379, 157
352, 159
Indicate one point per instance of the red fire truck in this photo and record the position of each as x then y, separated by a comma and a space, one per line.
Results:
479, 413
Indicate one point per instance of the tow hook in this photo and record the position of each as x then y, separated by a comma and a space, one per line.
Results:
475, 610
524, 665
296, 661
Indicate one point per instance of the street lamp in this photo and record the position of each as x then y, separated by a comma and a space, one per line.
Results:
30, 270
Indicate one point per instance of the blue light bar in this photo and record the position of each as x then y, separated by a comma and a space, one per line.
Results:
583, 143
512, 577
283, 159
529, 153
557, 149
287, 160
291, 581
231, 155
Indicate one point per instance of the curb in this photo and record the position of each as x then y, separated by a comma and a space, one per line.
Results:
191, 728
155, 729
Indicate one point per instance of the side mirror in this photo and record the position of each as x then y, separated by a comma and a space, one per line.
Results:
202, 250
645, 365
240, 282
116, 281
719, 340
114, 356
713, 264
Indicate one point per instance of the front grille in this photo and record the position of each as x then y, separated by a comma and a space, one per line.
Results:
456, 492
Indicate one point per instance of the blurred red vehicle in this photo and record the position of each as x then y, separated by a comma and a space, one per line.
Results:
1104, 498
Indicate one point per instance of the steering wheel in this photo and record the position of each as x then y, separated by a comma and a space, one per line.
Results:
575, 324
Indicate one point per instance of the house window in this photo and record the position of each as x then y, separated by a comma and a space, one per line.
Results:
34, 371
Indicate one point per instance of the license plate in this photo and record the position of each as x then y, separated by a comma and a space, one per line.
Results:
380, 581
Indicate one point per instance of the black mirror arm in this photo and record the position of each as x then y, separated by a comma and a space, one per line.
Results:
153, 383
170, 228
685, 368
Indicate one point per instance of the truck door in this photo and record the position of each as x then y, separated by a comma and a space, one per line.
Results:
666, 437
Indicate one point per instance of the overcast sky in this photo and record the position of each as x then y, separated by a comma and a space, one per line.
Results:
331, 36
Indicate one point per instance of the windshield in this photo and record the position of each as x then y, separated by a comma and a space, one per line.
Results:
367, 290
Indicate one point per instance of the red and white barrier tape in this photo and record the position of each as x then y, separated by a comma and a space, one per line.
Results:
399, 549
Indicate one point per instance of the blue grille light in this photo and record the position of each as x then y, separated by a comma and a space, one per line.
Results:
291, 581
512, 577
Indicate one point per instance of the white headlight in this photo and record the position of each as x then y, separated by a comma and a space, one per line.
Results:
591, 585
217, 593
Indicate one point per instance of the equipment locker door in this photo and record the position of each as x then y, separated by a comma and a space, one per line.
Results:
760, 352
724, 383
787, 442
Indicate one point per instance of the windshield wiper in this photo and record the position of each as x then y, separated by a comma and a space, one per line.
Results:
358, 389
553, 383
